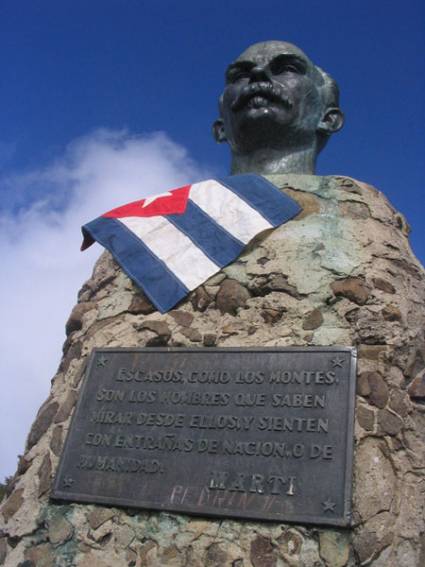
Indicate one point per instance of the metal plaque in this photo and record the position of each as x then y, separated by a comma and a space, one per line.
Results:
263, 433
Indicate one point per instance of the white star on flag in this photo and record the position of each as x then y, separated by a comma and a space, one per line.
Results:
150, 200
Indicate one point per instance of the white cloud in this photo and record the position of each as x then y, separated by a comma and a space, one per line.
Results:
42, 267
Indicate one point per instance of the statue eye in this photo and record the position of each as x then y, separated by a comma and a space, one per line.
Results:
237, 75
279, 66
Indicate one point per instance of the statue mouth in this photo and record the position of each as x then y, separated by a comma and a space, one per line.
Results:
260, 95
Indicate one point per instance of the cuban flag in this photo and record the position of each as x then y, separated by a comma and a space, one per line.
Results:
170, 244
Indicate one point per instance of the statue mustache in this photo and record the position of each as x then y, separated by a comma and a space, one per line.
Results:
267, 90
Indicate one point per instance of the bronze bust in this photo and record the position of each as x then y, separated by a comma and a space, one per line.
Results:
277, 110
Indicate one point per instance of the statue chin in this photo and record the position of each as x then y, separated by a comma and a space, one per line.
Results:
263, 132
260, 119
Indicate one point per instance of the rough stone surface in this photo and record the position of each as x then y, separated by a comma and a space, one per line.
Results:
389, 423
75, 321
42, 555
99, 516
183, 318
12, 504
200, 299
279, 282
70, 351
66, 406
375, 480
334, 548
23, 464
271, 315
44, 475
41, 424
231, 296
365, 417
210, 339
262, 552
363, 386
373, 386
60, 530
192, 334
56, 440
161, 330
400, 403
3, 549
353, 289
417, 387
391, 313
371, 538
340, 273
383, 285
140, 305
312, 320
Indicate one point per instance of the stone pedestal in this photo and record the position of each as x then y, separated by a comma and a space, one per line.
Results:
341, 273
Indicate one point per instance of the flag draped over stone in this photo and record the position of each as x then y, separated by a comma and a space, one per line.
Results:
169, 244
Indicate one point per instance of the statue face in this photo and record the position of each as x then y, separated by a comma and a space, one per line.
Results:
271, 98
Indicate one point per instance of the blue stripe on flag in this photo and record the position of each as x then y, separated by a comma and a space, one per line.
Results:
150, 273
214, 241
263, 196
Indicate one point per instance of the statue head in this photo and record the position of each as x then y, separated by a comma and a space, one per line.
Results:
277, 110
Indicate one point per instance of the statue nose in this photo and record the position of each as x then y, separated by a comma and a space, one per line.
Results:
259, 73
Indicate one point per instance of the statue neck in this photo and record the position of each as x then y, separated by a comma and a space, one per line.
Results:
268, 161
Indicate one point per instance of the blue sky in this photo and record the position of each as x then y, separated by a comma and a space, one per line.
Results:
86, 84
72, 66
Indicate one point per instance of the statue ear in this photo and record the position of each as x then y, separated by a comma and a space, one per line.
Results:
218, 131
332, 121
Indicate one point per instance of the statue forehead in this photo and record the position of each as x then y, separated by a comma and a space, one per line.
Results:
266, 50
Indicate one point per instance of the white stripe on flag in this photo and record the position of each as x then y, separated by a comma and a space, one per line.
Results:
185, 260
228, 210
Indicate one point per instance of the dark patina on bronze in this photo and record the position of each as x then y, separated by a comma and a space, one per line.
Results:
264, 433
